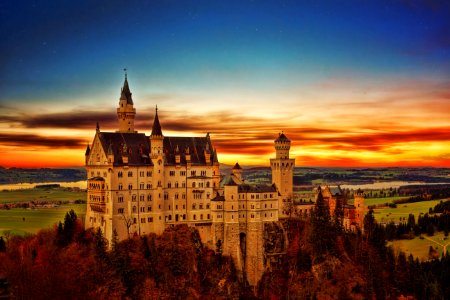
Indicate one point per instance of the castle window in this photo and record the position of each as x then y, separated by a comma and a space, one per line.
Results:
134, 209
141, 186
201, 216
169, 185
170, 217
149, 186
149, 208
195, 217
149, 173
207, 206
252, 216
141, 173
193, 173
176, 207
150, 219
193, 205
203, 173
120, 186
142, 209
130, 186
208, 216
232, 197
193, 184
176, 184
166, 196
176, 195
134, 220
159, 183
265, 205
183, 173
149, 197
172, 173
184, 217
200, 206
141, 197
133, 198
200, 184
184, 206
120, 199
183, 184
183, 196
120, 210
130, 174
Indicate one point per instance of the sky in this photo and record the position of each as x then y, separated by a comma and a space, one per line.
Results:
351, 83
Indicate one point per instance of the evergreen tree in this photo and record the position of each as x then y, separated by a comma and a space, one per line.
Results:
2, 244
322, 234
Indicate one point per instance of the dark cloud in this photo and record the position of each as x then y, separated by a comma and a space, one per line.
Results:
31, 140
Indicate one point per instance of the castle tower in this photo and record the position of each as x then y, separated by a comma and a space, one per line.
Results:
359, 208
126, 111
236, 172
157, 157
283, 170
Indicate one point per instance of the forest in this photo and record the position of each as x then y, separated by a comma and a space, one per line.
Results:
322, 261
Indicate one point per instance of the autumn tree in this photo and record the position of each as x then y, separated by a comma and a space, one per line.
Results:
2, 244
322, 235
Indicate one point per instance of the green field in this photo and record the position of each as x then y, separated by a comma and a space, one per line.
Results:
12, 220
35, 219
376, 201
420, 247
403, 210
50, 195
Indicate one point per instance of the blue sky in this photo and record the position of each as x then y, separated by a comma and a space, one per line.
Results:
262, 57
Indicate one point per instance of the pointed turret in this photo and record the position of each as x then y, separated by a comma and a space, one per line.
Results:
86, 154
156, 129
125, 92
126, 111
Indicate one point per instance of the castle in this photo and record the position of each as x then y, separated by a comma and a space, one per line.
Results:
140, 184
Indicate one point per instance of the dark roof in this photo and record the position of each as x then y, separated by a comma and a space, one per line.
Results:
196, 146
256, 188
125, 93
237, 167
335, 190
137, 146
88, 150
218, 198
156, 129
282, 137
227, 180
97, 178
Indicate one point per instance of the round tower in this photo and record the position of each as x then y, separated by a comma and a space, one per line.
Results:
283, 170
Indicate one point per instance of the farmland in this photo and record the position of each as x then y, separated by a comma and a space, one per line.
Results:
21, 221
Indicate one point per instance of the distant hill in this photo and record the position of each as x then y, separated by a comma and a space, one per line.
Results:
23, 175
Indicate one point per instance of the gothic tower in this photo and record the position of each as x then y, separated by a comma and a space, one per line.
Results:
126, 111
157, 157
282, 170
359, 209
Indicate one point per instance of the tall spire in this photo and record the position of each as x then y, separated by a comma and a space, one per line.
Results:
156, 129
125, 92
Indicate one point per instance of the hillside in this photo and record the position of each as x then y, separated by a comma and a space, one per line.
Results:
67, 262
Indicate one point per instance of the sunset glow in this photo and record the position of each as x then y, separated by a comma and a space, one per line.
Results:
361, 84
